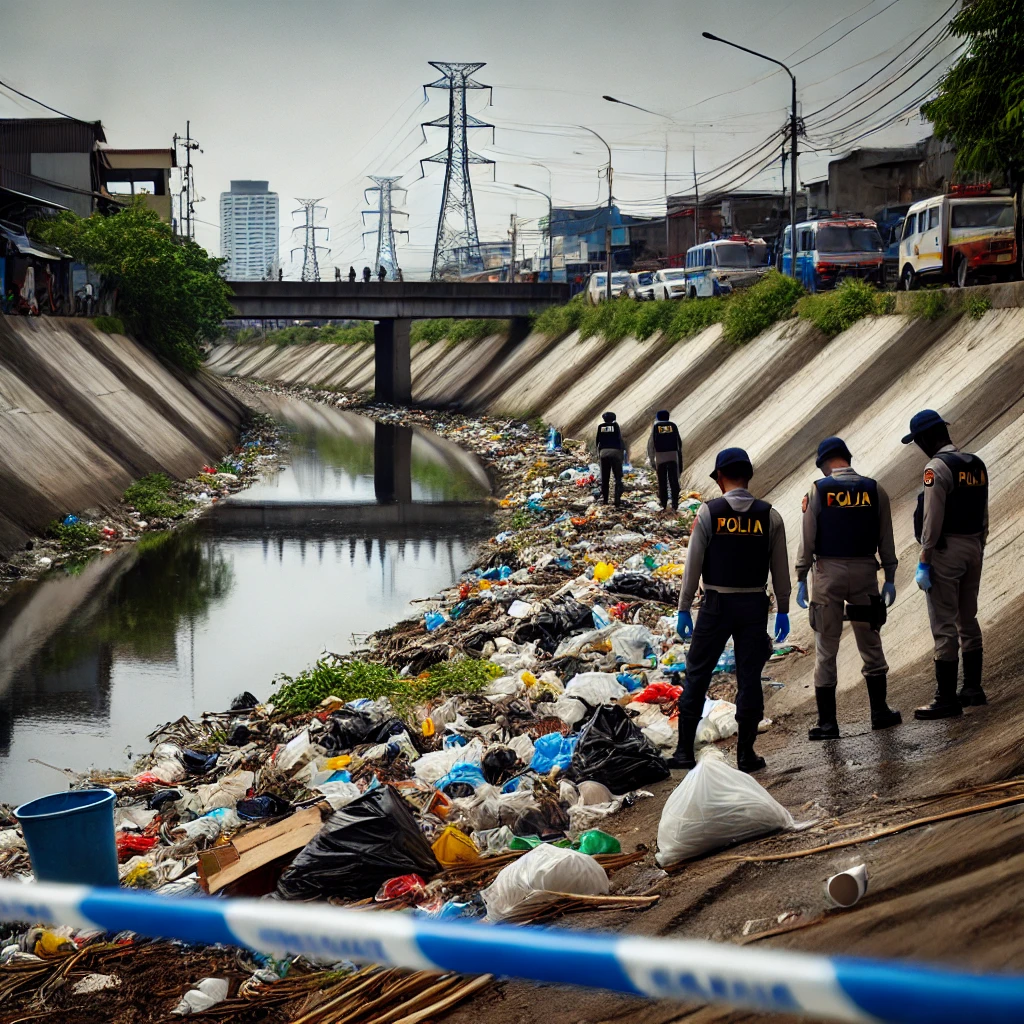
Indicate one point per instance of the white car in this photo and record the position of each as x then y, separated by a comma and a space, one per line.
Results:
642, 287
597, 287
670, 283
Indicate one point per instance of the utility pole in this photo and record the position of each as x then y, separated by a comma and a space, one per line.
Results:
696, 201
386, 254
310, 264
608, 226
512, 256
457, 245
186, 197
551, 237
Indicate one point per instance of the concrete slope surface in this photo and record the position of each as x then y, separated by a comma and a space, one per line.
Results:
82, 414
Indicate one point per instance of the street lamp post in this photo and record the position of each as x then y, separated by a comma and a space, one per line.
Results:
551, 248
792, 135
608, 232
625, 103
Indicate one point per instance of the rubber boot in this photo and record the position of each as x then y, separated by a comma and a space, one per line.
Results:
945, 704
827, 727
747, 759
683, 757
971, 694
882, 716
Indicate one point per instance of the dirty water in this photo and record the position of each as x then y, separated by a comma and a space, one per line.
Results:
365, 518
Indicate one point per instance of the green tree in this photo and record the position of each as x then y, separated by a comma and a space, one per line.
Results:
980, 104
169, 290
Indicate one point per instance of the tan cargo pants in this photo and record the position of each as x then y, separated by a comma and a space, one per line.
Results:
834, 583
953, 599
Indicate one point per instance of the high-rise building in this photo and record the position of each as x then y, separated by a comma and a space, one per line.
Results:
249, 231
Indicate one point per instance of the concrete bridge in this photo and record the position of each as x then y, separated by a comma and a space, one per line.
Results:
394, 305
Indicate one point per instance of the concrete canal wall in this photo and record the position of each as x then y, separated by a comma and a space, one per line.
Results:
83, 414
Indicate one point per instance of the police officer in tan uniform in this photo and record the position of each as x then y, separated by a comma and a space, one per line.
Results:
846, 530
951, 522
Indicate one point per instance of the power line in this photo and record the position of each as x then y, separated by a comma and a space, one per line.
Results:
32, 99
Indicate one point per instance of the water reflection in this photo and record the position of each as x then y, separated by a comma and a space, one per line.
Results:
184, 621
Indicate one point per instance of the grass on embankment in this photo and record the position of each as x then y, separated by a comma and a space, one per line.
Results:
430, 331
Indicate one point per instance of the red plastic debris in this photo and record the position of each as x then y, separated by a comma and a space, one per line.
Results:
130, 843
658, 693
399, 888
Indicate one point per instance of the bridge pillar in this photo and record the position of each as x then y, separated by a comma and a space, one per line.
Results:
392, 462
392, 361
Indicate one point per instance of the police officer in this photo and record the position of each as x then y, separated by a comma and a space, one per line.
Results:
611, 452
951, 523
736, 540
846, 524
665, 454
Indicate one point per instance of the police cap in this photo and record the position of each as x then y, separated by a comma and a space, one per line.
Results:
662, 414
733, 462
830, 448
608, 417
922, 421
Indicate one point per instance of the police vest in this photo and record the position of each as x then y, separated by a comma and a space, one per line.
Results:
666, 436
738, 551
609, 436
967, 503
848, 521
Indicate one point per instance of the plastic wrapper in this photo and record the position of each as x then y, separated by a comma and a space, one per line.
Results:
595, 687
583, 817
613, 751
715, 805
359, 848
533, 879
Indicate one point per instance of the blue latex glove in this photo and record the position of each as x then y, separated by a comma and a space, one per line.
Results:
923, 576
781, 627
684, 625
801, 593
889, 594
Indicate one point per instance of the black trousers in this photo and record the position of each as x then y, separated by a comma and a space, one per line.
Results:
744, 617
668, 483
611, 463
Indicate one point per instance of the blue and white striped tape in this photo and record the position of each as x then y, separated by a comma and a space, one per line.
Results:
838, 988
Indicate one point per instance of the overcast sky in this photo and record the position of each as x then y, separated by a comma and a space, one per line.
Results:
314, 95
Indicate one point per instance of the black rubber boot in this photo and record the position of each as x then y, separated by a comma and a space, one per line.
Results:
971, 694
683, 757
747, 759
827, 727
882, 716
945, 704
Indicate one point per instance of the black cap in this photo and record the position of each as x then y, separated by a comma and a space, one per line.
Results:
608, 417
831, 447
662, 414
733, 460
922, 421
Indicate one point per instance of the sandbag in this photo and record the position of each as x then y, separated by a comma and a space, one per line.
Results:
533, 878
612, 750
359, 848
715, 805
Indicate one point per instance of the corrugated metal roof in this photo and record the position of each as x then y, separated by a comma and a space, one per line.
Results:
48, 135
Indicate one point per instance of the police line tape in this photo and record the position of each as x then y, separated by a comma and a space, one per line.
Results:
838, 988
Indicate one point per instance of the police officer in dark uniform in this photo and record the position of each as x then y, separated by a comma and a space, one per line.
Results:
846, 531
736, 540
951, 523
611, 453
665, 454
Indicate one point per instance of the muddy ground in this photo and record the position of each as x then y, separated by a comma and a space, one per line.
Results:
950, 892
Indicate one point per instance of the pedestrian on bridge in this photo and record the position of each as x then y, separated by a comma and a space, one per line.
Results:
366, 275
845, 532
736, 540
351, 275
665, 454
951, 523
381, 273
611, 453
337, 273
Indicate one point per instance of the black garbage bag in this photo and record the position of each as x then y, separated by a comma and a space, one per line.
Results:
550, 626
266, 806
239, 735
197, 763
360, 847
642, 584
163, 796
349, 727
613, 751
244, 701
499, 764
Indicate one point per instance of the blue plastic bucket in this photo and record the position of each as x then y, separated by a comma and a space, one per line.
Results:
70, 837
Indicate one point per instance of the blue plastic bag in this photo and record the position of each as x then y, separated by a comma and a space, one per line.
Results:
552, 750
631, 683
462, 771
434, 620
498, 572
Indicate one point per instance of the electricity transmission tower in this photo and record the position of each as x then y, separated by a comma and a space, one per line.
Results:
457, 248
386, 255
310, 266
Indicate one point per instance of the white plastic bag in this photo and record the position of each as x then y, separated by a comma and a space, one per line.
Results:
520, 609
338, 794
661, 733
534, 877
430, 767
717, 723
297, 751
630, 642
568, 710
715, 805
226, 792
208, 992
595, 687
523, 746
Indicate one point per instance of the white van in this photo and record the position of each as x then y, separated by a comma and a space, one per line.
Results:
960, 237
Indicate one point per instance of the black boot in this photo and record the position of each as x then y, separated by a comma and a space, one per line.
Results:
971, 694
747, 759
882, 716
683, 757
827, 727
945, 704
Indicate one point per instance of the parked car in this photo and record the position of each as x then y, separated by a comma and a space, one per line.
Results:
641, 286
719, 266
961, 237
669, 283
597, 290
832, 249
